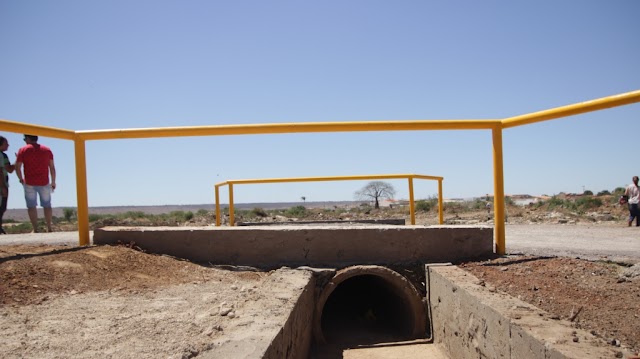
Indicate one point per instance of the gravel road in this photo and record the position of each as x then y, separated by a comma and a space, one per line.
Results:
616, 243
55, 238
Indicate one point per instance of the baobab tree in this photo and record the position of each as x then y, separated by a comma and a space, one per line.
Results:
374, 191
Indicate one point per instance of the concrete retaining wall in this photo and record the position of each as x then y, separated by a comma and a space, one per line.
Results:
473, 321
319, 246
294, 339
282, 327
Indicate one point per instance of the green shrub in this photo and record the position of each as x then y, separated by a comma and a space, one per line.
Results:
585, 203
454, 207
604, 193
619, 191
422, 205
339, 211
478, 204
259, 212
571, 205
363, 208
297, 211
133, 214
95, 217
24, 227
69, 213
202, 212
178, 216
554, 202
242, 213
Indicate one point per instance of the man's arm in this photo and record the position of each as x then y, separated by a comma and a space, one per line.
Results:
18, 166
3, 183
7, 164
52, 170
19, 171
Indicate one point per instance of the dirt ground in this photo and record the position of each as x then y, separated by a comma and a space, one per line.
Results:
125, 303
116, 302
600, 297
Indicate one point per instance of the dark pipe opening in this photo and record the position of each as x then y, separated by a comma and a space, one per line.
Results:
366, 309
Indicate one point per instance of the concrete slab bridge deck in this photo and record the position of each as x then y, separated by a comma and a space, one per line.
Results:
332, 246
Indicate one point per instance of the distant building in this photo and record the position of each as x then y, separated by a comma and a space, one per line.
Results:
391, 203
454, 200
523, 199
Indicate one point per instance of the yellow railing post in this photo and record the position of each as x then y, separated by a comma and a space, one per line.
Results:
217, 205
440, 203
231, 216
81, 192
498, 195
412, 205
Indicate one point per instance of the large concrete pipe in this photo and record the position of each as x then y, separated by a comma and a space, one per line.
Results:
368, 305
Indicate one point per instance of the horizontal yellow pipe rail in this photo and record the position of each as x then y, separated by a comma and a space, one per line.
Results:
281, 128
575, 109
327, 178
409, 177
37, 130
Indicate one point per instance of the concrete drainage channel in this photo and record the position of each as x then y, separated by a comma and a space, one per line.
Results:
374, 312
368, 308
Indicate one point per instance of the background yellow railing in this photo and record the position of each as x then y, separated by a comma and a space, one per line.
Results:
496, 127
409, 178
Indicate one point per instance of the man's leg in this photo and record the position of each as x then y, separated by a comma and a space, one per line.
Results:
3, 208
33, 217
45, 202
47, 217
30, 196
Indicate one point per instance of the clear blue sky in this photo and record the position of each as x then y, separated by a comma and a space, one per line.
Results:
133, 64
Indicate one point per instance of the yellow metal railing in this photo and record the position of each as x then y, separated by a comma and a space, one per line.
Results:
496, 126
575, 109
408, 177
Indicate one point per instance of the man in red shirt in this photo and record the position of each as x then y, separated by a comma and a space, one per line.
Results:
38, 164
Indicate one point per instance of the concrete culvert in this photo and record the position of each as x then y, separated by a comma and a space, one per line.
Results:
368, 305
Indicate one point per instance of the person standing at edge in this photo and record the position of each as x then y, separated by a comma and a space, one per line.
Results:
7, 168
38, 164
633, 194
